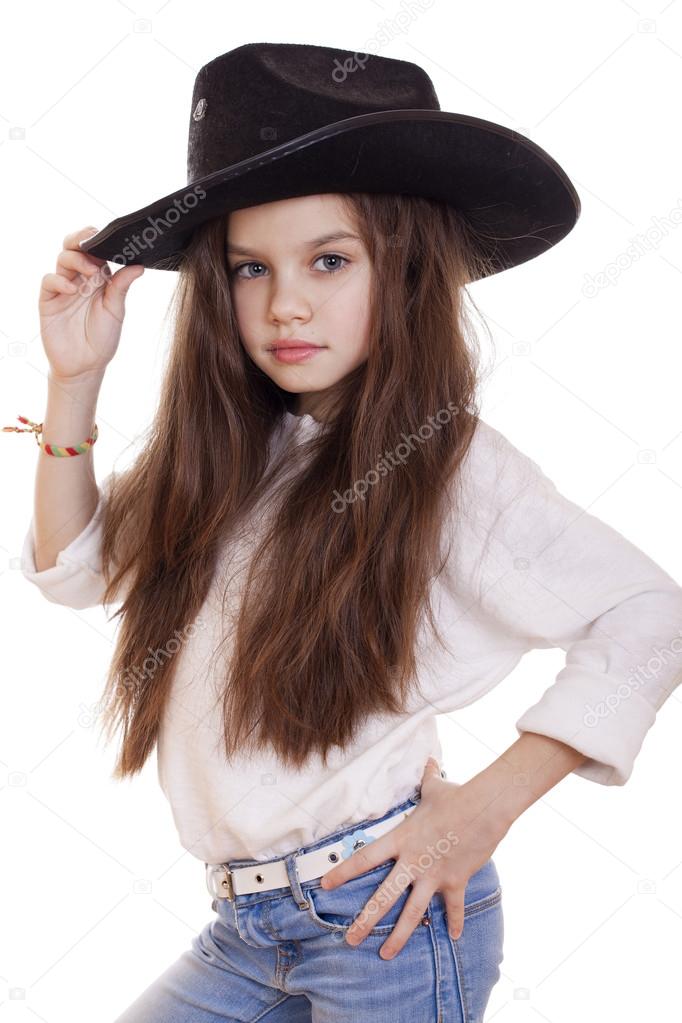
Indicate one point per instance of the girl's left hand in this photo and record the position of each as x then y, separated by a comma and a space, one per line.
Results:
449, 833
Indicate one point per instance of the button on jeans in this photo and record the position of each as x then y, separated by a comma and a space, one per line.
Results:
280, 956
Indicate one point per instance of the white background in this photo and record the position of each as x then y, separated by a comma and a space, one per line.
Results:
98, 895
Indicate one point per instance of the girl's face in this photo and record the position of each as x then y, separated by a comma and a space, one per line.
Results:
292, 275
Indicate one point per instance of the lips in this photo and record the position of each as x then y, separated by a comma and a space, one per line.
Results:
292, 343
290, 355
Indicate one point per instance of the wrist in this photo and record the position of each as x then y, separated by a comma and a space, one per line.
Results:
89, 381
71, 408
495, 802
503, 797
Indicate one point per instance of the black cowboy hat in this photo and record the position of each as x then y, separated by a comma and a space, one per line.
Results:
275, 120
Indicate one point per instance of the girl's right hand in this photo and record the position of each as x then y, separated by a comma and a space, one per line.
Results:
81, 309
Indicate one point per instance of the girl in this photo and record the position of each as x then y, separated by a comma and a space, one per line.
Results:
323, 546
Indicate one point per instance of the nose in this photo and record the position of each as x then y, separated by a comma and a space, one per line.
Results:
288, 302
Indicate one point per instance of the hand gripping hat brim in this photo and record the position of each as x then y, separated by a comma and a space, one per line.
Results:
272, 121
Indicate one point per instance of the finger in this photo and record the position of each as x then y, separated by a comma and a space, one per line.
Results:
431, 770
71, 263
124, 277
412, 915
454, 912
56, 284
79, 238
374, 853
385, 896
72, 240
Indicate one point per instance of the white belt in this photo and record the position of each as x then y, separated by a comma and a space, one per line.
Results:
224, 883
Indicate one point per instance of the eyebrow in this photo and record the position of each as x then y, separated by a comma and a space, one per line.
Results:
324, 239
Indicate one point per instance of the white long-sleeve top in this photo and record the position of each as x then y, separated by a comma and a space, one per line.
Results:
527, 568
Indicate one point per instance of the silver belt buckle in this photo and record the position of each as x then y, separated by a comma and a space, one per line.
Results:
221, 877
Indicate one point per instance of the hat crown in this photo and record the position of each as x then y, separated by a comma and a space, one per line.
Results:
273, 121
261, 95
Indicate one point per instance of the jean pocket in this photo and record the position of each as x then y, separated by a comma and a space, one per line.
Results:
337, 909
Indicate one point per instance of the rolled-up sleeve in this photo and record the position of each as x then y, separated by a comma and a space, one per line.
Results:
76, 579
558, 576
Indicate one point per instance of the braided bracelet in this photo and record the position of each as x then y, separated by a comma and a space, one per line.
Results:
53, 449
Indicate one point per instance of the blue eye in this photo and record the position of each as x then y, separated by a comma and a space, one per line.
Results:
235, 271
327, 255
334, 255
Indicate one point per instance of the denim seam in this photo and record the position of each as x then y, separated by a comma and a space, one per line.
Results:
470, 910
438, 965
489, 900
265, 897
282, 968
463, 997
379, 929
264, 1013
267, 924
343, 928
240, 932
473, 908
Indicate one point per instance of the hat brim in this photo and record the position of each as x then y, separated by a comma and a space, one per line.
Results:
517, 199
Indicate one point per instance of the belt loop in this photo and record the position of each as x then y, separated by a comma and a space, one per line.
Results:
292, 874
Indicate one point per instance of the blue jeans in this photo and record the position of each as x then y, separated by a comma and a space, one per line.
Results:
279, 956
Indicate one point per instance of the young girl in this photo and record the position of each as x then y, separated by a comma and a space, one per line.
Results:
322, 545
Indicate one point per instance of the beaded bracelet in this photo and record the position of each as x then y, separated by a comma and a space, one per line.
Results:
53, 449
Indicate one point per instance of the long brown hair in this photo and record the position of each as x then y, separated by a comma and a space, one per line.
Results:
332, 604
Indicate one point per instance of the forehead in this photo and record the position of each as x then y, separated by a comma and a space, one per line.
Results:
297, 221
